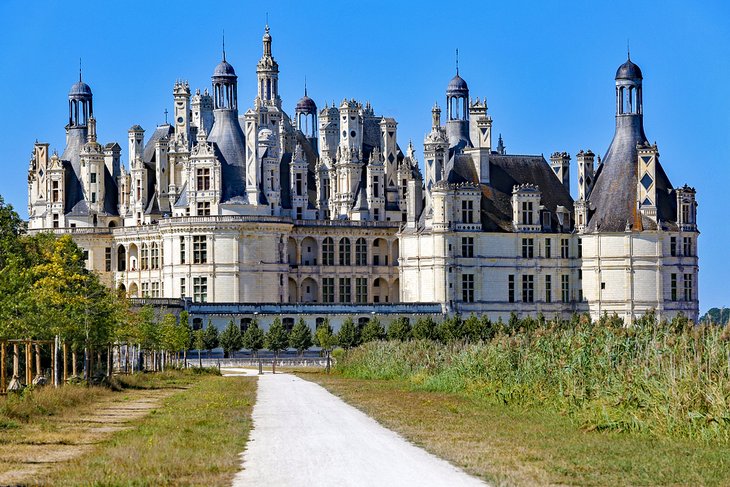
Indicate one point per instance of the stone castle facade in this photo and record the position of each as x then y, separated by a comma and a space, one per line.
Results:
326, 211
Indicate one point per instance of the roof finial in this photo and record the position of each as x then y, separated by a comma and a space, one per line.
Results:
457, 61
79, 70
224, 44
165, 116
305, 85
267, 21
628, 50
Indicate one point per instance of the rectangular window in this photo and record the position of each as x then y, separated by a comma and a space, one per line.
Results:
565, 288
687, 245
548, 249
55, 220
86, 255
580, 248
183, 289
673, 246
108, 259
674, 287
564, 248
328, 290
203, 179
688, 291
200, 249
298, 184
204, 208
92, 177
528, 248
182, 250
528, 288
361, 252
139, 190
145, 290
345, 290
155, 289
685, 213
376, 187
511, 288
548, 289
93, 197
200, 289
527, 213
55, 192
467, 246
467, 288
361, 290
467, 211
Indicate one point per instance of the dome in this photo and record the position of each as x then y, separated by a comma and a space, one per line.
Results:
224, 69
306, 105
629, 70
80, 89
457, 86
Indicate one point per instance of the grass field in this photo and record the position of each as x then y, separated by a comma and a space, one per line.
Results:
510, 445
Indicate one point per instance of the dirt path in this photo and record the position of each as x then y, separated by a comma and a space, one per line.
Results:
303, 435
36, 448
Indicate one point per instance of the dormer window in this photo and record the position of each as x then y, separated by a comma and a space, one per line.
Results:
527, 213
467, 211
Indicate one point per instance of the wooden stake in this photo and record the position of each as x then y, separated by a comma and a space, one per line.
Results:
65, 362
2, 367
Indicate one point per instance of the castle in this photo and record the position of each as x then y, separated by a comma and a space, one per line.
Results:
324, 213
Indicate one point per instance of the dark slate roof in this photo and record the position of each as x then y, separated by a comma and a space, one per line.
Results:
629, 70
161, 131
111, 195
71, 158
230, 149
457, 86
506, 171
182, 200
306, 105
224, 69
80, 89
612, 201
285, 179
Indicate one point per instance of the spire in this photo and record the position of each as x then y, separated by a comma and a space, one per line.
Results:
628, 50
79, 70
457, 61
305, 85
224, 44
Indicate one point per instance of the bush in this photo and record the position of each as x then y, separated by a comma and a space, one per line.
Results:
399, 329
373, 330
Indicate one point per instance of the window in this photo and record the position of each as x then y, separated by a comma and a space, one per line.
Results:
527, 213
200, 249
580, 248
674, 287
328, 290
565, 288
688, 287
673, 246
467, 246
528, 288
204, 208
139, 190
203, 179
376, 214
687, 245
467, 211
182, 250
298, 183
145, 290
86, 255
197, 324
108, 259
467, 288
121, 258
155, 289
361, 290
244, 324
528, 248
92, 177
685, 213
361, 252
376, 187
200, 289
328, 251
564, 248
55, 192
548, 249
154, 257
144, 257
511, 288
345, 251
345, 290
548, 289
183, 289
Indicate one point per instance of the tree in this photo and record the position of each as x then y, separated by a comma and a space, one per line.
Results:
373, 330
231, 339
324, 337
276, 340
185, 322
253, 338
424, 328
471, 329
450, 329
168, 333
199, 343
349, 335
300, 337
211, 337
399, 329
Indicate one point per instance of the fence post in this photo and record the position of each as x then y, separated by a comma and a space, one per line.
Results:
2, 367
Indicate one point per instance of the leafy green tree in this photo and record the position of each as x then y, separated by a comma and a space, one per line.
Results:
231, 339
450, 329
211, 337
471, 329
349, 335
276, 340
199, 343
424, 328
324, 337
300, 337
373, 330
400, 329
253, 338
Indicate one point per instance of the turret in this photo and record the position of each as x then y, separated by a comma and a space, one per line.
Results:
560, 163
306, 117
299, 195
181, 93
202, 107
376, 186
457, 106
267, 73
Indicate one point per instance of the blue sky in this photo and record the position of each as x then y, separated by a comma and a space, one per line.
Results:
546, 69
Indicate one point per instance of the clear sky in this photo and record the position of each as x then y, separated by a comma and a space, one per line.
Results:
546, 68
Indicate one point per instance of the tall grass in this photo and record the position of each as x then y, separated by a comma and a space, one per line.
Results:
664, 379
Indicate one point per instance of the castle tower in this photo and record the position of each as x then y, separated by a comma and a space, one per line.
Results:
202, 108
457, 110
435, 150
376, 186
80, 104
586, 174
181, 94
560, 163
267, 73
299, 195
92, 171
306, 118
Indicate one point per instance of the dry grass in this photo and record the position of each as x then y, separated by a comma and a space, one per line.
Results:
194, 439
508, 445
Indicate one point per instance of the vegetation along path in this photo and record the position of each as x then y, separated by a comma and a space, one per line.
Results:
301, 431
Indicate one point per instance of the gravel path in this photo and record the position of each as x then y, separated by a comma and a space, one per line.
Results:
303, 435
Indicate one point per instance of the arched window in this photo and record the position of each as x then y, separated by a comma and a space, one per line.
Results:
144, 258
345, 251
361, 252
121, 258
328, 251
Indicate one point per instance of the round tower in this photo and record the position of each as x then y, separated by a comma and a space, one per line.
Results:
80, 104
